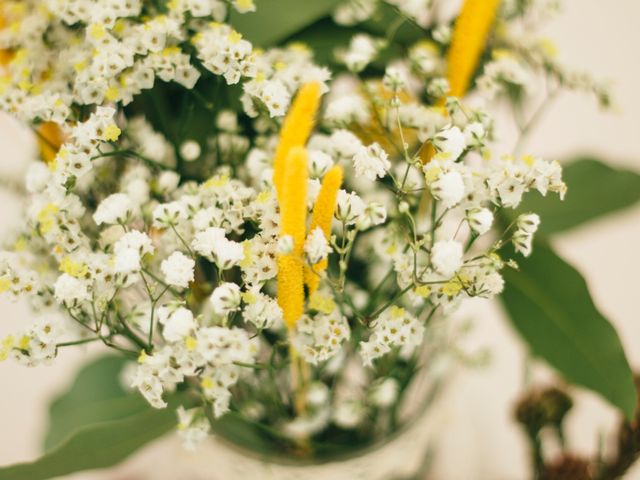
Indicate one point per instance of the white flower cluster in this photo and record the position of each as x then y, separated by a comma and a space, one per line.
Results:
278, 74
395, 328
218, 352
155, 229
224, 52
321, 337
38, 344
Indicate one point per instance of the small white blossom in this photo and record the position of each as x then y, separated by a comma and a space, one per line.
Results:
190, 150
394, 79
319, 163
213, 244
130, 249
448, 188
385, 393
446, 257
528, 223
113, 209
361, 51
480, 220
178, 323
371, 162
169, 214
193, 427
451, 142
316, 247
285, 245
178, 270
349, 207
68, 289
225, 298
348, 414
261, 310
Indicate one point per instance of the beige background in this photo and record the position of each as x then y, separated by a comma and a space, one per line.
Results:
478, 438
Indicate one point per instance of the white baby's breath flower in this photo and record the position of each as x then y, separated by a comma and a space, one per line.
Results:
374, 214
446, 257
178, 323
69, 290
451, 142
385, 393
285, 245
169, 214
474, 134
213, 244
361, 51
480, 220
394, 79
261, 310
371, 162
448, 188
319, 163
193, 427
316, 247
349, 207
190, 150
116, 208
225, 298
178, 270
348, 413
168, 181
528, 223
129, 250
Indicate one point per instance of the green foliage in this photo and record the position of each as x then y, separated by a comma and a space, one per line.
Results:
595, 189
98, 445
95, 424
276, 20
95, 396
550, 306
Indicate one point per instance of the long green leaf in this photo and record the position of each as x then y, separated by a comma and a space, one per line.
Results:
95, 396
96, 446
595, 189
276, 20
95, 424
324, 37
549, 304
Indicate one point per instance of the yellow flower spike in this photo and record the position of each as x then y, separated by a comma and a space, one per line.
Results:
296, 129
5, 55
468, 41
322, 215
293, 214
50, 139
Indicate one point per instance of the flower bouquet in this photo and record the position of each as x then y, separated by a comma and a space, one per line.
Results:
269, 212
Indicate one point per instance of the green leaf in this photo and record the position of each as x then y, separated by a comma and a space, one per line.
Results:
99, 445
95, 424
323, 37
276, 20
387, 19
95, 396
549, 304
595, 189
245, 434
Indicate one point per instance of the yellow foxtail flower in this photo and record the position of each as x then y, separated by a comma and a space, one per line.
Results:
293, 216
468, 41
296, 129
322, 215
5, 55
50, 139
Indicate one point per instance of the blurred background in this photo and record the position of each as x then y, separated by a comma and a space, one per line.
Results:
477, 437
